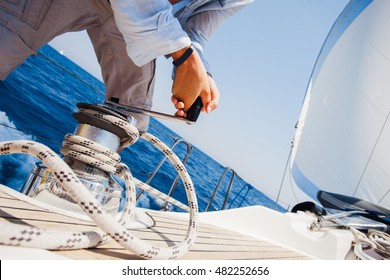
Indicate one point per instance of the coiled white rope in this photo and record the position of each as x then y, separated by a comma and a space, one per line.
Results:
19, 235
99, 156
374, 239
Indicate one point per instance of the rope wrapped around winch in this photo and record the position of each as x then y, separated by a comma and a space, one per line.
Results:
107, 160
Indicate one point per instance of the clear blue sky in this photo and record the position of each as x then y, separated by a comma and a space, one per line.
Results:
262, 59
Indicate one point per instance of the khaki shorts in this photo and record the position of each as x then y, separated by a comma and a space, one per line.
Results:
27, 25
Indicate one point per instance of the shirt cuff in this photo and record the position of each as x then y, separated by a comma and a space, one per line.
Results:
199, 49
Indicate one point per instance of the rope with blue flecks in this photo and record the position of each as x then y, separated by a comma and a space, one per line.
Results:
27, 236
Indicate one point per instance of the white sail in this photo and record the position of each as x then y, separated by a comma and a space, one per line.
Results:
342, 141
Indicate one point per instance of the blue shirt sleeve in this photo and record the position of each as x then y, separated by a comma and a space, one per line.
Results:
149, 28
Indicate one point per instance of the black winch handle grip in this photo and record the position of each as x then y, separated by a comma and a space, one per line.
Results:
194, 111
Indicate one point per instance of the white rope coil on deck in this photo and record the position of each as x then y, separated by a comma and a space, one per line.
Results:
105, 159
373, 239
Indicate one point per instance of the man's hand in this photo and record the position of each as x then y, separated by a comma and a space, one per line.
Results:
191, 81
212, 105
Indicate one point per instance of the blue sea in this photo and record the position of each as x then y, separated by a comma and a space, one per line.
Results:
37, 102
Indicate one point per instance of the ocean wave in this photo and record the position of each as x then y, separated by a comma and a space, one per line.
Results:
9, 131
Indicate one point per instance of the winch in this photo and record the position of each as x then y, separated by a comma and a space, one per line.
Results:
85, 178
90, 164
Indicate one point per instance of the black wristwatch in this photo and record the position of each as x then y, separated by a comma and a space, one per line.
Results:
184, 57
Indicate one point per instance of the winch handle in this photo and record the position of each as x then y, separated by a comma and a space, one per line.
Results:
128, 110
194, 111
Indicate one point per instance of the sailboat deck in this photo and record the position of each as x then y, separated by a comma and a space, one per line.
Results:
212, 242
